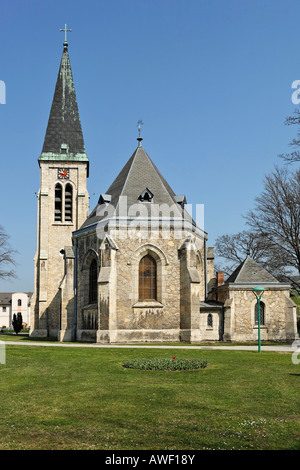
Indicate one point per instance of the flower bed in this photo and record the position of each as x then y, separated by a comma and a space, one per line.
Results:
166, 364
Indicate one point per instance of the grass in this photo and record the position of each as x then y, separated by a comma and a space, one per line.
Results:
82, 398
11, 336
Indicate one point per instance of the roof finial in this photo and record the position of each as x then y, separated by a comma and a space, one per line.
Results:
139, 124
65, 41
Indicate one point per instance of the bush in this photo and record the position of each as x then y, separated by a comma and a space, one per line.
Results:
17, 322
166, 364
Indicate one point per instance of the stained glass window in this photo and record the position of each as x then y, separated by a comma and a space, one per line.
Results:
147, 278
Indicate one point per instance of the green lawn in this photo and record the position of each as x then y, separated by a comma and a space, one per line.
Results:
24, 337
82, 398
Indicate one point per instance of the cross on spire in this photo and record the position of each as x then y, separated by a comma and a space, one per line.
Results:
139, 124
65, 30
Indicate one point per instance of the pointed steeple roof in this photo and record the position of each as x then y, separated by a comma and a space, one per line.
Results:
64, 139
249, 272
138, 174
138, 177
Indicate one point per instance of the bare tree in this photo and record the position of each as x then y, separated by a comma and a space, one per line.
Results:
294, 156
7, 261
233, 249
273, 238
276, 217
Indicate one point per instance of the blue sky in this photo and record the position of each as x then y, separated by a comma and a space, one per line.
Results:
211, 80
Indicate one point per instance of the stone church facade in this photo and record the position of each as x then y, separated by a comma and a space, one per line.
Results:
138, 267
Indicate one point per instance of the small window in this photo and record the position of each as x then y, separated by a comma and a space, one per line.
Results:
210, 320
3, 309
262, 313
58, 203
19, 302
93, 282
147, 278
68, 203
146, 196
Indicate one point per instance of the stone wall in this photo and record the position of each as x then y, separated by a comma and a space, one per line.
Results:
52, 237
239, 306
211, 329
121, 315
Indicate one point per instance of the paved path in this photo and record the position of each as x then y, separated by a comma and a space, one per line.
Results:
289, 348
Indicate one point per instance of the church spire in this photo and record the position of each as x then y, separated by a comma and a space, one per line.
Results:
64, 138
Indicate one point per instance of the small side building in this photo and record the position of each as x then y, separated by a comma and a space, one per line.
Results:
5, 309
12, 303
278, 319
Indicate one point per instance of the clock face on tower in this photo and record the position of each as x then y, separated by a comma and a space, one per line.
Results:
63, 173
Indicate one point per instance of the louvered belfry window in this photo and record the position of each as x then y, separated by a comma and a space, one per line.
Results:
147, 278
58, 203
68, 203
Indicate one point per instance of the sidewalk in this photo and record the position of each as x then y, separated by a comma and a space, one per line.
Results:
287, 349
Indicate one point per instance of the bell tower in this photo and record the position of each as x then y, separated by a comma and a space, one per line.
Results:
63, 199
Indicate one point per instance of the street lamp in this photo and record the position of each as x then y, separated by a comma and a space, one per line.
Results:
258, 292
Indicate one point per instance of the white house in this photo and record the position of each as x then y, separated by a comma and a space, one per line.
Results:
11, 303
5, 309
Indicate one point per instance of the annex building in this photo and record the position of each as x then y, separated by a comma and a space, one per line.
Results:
12, 303
136, 267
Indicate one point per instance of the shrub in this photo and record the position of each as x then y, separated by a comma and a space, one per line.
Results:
17, 322
166, 364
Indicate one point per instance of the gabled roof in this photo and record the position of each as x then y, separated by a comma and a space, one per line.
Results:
139, 174
5, 298
64, 138
249, 272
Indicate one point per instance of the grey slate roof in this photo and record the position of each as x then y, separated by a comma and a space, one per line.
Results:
138, 174
249, 272
64, 126
5, 298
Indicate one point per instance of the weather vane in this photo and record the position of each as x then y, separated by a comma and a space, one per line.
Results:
139, 124
65, 30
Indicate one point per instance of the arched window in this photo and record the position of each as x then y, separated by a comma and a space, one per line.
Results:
262, 313
209, 320
147, 278
58, 203
93, 282
68, 203
19, 303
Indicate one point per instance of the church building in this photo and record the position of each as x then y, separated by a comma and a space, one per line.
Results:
136, 268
